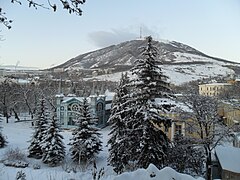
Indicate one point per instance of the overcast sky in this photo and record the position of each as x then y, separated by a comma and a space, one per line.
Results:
41, 38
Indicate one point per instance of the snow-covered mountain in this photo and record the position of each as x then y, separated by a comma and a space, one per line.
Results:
180, 62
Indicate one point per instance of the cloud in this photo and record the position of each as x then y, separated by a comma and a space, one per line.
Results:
116, 36
106, 38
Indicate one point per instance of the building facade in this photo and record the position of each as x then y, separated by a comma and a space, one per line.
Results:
69, 106
213, 89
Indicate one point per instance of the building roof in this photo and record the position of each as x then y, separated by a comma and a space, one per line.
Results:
109, 95
177, 104
67, 99
216, 84
229, 158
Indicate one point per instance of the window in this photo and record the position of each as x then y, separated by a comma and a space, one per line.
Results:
166, 129
75, 107
70, 121
100, 113
178, 129
100, 107
190, 129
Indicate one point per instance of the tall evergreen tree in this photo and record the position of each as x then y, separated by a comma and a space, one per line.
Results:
85, 143
40, 125
120, 113
52, 145
150, 87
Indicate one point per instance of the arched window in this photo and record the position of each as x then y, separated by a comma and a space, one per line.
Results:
100, 113
100, 107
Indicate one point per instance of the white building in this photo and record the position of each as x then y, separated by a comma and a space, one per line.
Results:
68, 106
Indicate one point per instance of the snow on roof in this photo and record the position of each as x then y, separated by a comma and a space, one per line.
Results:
23, 81
108, 106
109, 95
177, 104
229, 158
59, 95
71, 95
235, 121
67, 99
216, 84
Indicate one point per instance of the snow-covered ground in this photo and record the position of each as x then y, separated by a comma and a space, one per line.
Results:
18, 134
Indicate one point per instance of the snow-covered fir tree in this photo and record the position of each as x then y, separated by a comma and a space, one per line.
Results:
150, 95
52, 145
120, 113
85, 142
40, 125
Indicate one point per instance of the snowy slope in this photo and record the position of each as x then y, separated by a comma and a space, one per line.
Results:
124, 54
179, 74
180, 62
19, 133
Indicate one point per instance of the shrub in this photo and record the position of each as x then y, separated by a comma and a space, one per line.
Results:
20, 175
15, 158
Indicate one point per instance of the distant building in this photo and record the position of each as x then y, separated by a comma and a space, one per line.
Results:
213, 89
2, 72
68, 107
229, 112
58, 70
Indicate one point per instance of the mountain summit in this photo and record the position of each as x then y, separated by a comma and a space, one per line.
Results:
176, 59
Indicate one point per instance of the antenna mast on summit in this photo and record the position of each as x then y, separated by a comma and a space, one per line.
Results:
140, 33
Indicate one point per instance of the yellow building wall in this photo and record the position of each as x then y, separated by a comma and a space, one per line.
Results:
178, 124
213, 89
230, 113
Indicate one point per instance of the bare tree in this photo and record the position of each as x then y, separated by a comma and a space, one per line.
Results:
205, 123
48, 89
232, 92
29, 94
8, 98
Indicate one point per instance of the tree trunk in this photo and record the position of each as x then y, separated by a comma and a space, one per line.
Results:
15, 114
208, 163
5, 113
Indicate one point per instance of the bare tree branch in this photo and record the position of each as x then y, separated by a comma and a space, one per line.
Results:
72, 6
4, 20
